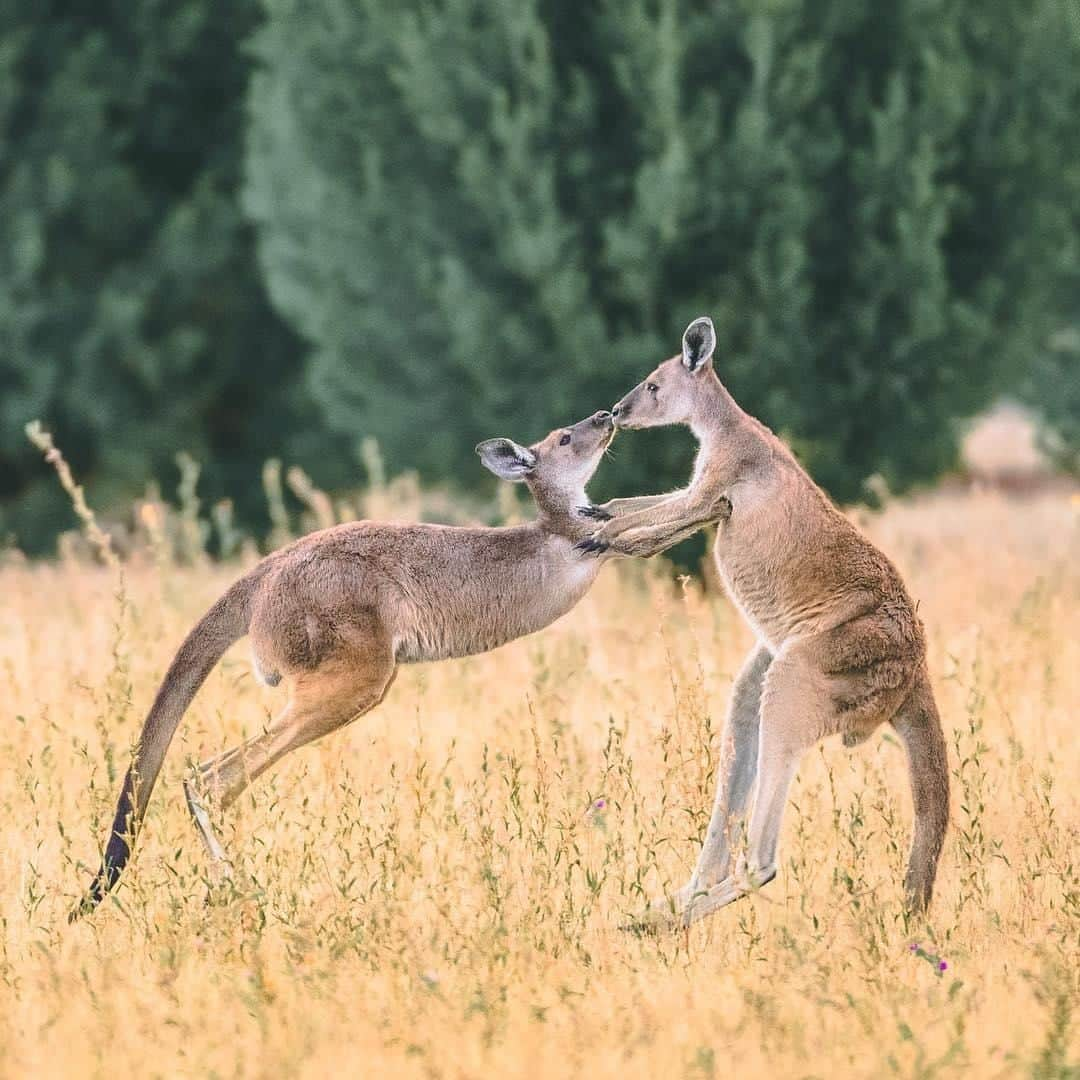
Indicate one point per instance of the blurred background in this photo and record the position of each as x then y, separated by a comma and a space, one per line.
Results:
243, 230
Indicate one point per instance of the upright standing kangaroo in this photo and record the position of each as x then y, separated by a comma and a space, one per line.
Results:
337, 611
839, 649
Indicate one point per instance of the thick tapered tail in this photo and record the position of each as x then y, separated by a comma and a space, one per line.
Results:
226, 622
919, 726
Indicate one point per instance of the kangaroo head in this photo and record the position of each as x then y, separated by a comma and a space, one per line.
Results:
669, 394
558, 467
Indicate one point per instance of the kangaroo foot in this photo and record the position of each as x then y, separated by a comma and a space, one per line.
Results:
206, 831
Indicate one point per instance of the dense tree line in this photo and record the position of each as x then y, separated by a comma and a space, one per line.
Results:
246, 231
133, 320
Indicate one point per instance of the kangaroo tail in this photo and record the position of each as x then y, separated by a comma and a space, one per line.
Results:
919, 726
226, 622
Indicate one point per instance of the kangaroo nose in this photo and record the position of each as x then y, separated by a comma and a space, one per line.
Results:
602, 417
615, 410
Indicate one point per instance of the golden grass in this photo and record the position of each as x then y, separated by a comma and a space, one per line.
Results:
435, 893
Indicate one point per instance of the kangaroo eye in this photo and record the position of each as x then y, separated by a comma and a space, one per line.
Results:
651, 387
565, 440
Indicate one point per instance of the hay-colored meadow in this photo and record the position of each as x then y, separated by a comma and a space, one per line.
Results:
437, 890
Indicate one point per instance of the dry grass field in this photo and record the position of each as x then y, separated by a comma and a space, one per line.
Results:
437, 890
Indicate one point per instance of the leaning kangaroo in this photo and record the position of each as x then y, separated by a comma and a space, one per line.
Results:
337, 611
839, 649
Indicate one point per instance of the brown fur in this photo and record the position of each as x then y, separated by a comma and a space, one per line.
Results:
335, 613
847, 648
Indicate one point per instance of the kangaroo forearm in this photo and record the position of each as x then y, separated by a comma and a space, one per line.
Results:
645, 542
652, 530
683, 509
618, 507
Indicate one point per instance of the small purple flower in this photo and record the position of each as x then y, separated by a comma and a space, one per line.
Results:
600, 804
932, 958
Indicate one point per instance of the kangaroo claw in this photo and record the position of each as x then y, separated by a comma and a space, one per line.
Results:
594, 512
595, 547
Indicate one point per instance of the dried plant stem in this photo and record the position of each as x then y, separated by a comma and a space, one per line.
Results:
100, 539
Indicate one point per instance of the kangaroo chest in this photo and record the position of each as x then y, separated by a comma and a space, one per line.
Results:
751, 595
480, 612
786, 573
751, 554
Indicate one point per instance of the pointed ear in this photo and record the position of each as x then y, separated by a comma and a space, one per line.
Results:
698, 343
506, 459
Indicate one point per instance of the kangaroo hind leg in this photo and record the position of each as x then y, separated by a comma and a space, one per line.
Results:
797, 710
737, 774
735, 782
321, 701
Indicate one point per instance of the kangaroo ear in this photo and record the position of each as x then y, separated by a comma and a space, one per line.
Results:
506, 459
698, 343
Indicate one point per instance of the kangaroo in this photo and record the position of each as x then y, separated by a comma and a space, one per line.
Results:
336, 612
839, 650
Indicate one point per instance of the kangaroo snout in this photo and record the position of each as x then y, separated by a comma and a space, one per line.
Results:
604, 424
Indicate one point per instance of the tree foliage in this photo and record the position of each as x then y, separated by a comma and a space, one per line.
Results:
491, 217
132, 317
434, 221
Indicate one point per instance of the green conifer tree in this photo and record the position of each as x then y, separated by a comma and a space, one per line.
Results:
489, 217
132, 318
